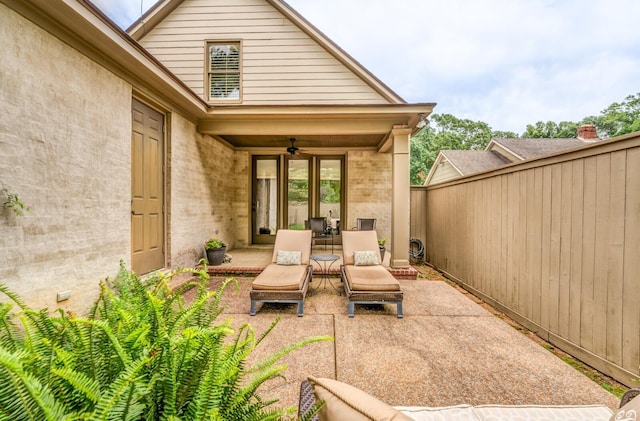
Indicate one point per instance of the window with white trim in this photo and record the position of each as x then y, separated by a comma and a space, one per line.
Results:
223, 71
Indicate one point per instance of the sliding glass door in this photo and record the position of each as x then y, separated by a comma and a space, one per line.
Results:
265, 199
330, 188
297, 193
287, 191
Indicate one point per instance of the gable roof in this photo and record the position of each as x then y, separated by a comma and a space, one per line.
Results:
469, 162
154, 16
500, 152
531, 148
86, 28
463, 162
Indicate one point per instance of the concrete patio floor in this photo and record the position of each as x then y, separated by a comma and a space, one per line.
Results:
447, 349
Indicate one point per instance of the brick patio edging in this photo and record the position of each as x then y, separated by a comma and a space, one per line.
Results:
403, 273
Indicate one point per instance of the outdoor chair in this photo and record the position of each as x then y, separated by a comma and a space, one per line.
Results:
318, 227
343, 401
365, 280
365, 224
286, 279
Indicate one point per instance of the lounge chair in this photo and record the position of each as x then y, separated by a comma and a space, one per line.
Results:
366, 281
287, 278
345, 402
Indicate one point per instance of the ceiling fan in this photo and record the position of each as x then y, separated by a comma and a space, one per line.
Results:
293, 148
294, 151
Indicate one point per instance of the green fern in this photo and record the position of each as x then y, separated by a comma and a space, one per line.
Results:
141, 353
22, 395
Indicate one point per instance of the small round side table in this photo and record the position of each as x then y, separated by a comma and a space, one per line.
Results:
325, 261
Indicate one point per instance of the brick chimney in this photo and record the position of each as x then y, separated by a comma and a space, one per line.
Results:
588, 133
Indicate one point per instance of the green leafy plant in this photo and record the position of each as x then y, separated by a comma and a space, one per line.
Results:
12, 201
382, 242
214, 244
141, 353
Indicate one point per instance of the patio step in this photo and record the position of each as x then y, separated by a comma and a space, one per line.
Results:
230, 270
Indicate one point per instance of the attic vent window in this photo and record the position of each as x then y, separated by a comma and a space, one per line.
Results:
224, 71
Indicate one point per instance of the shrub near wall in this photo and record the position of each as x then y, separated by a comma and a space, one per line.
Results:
141, 354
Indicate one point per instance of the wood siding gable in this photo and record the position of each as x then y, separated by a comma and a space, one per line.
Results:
444, 172
285, 60
502, 150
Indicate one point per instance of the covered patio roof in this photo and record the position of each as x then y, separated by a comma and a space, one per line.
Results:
335, 126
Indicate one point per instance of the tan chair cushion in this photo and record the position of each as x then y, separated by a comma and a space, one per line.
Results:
371, 278
446, 413
629, 412
345, 402
541, 412
281, 278
358, 241
293, 240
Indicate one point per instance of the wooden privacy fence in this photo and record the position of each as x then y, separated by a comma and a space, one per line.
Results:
555, 243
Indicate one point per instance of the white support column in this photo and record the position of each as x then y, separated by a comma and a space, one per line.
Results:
400, 207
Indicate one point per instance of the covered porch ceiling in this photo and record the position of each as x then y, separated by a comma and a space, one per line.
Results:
322, 127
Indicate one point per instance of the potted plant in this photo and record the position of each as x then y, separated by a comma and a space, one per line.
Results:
381, 246
215, 249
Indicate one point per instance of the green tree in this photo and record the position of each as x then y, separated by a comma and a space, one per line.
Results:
421, 155
456, 133
446, 132
449, 132
618, 118
501, 134
551, 130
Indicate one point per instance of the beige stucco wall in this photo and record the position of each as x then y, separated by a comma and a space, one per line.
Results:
65, 128
66, 152
369, 189
202, 189
241, 195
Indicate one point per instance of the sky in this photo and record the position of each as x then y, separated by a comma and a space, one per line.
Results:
507, 63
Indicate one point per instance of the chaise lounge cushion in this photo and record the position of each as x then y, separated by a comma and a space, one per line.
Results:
341, 399
370, 278
358, 241
281, 278
508, 413
345, 402
542, 412
630, 411
293, 240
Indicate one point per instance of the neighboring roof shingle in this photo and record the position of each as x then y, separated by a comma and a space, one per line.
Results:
532, 148
505, 151
469, 162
